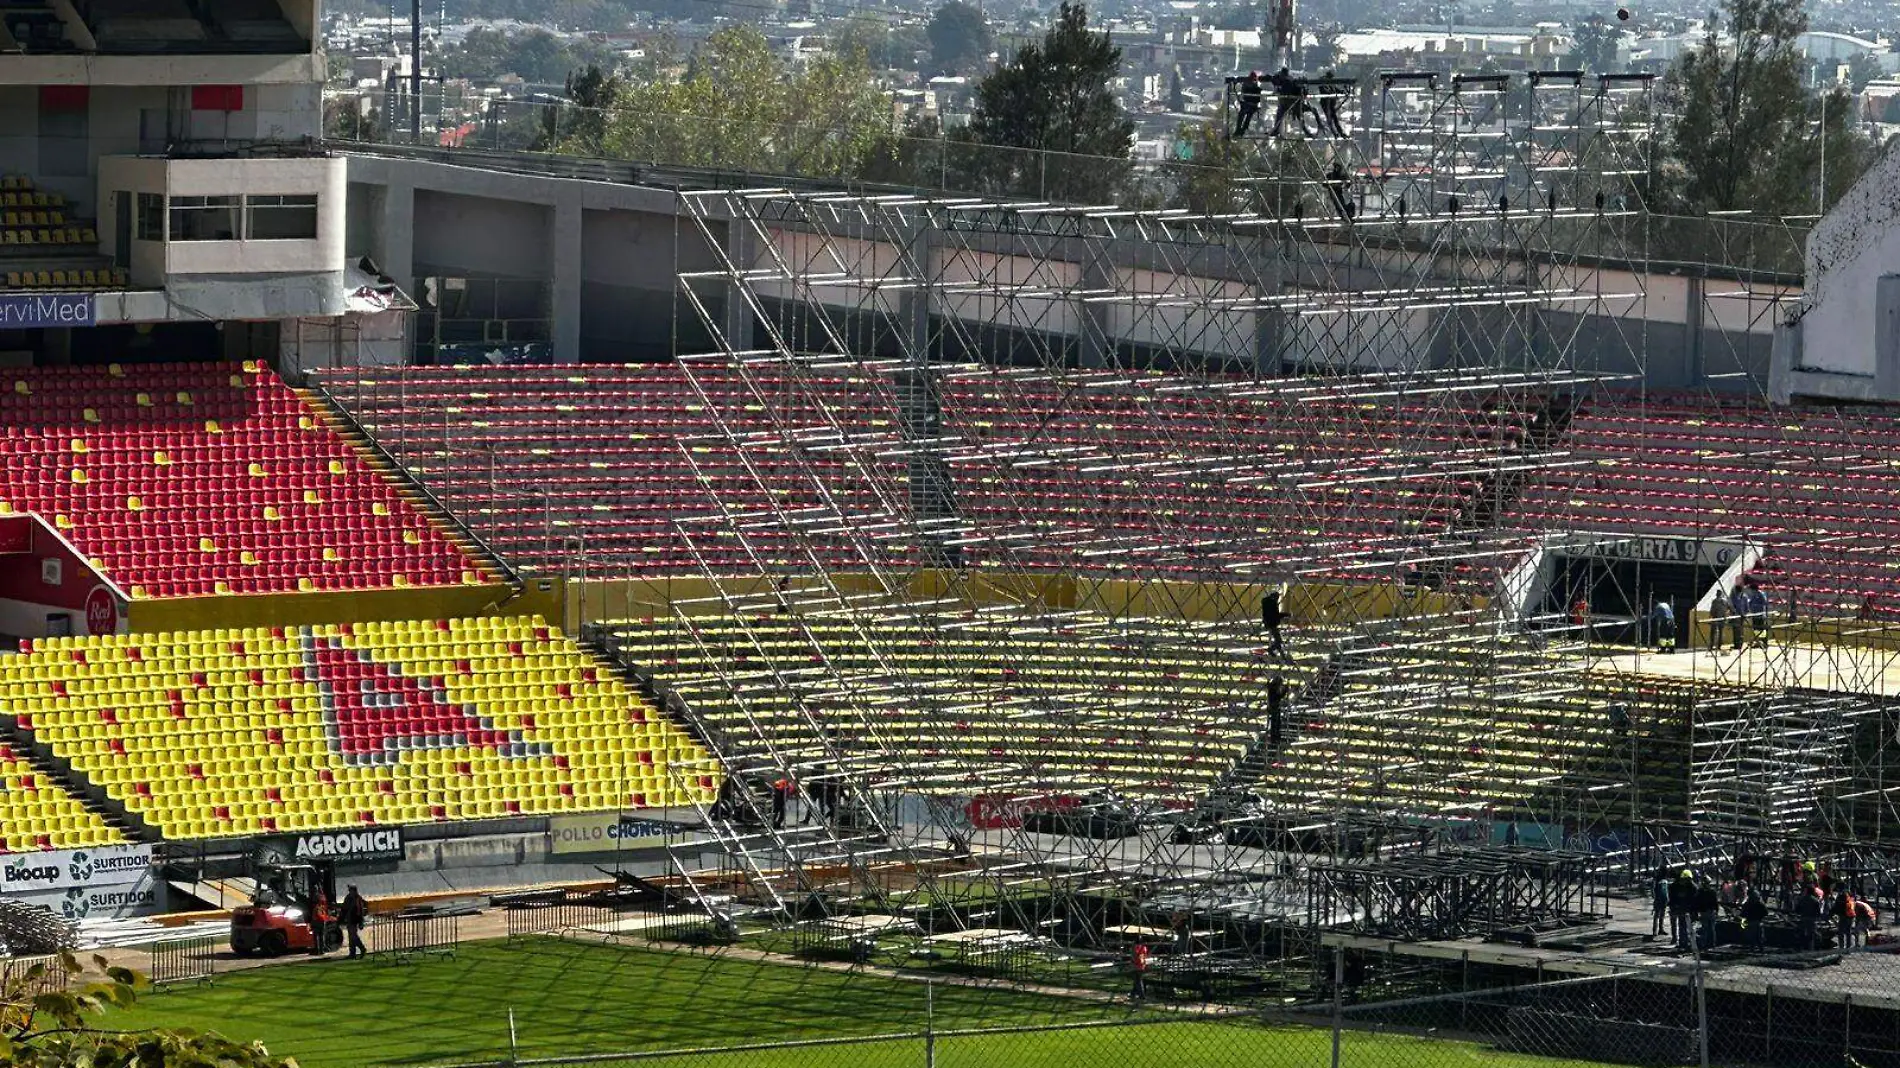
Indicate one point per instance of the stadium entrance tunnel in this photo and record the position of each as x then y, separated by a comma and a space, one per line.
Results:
1613, 584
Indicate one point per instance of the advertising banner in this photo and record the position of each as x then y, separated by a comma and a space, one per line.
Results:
28, 311
606, 832
101, 902
65, 869
342, 847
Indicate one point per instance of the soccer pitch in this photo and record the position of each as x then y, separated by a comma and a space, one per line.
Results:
573, 999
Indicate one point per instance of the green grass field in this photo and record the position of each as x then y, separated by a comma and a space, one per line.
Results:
572, 998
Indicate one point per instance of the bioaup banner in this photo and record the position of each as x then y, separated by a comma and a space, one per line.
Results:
26, 311
65, 869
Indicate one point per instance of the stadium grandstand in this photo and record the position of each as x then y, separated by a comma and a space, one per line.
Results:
1319, 622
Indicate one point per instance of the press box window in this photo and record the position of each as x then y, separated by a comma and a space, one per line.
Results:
151, 217
283, 218
205, 219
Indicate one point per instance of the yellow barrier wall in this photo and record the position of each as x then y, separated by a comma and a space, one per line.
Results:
298, 609
1199, 601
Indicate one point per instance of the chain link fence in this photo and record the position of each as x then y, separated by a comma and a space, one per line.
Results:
1419, 1005
1284, 181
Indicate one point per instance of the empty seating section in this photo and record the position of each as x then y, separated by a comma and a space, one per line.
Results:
1111, 472
208, 734
1136, 470
194, 479
31, 218
37, 812
966, 706
634, 463
32, 26
43, 248
1422, 734
1817, 487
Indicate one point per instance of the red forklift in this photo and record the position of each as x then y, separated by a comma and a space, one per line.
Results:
293, 911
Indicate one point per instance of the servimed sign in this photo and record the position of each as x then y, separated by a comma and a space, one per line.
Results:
28, 311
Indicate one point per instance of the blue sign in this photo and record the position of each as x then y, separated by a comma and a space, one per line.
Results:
29, 310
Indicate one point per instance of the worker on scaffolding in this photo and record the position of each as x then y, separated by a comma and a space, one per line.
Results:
1662, 625
1751, 604
1682, 908
1249, 94
1718, 616
1290, 96
1329, 105
1271, 616
1337, 185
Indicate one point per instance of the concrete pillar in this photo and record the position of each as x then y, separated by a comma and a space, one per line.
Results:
915, 304
393, 242
1096, 348
564, 281
1887, 337
1694, 370
741, 325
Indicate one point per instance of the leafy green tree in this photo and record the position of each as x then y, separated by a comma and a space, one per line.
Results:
960, 39
886, 47
579, 127
536, 56
739, 106
347, 118
1203, 168
1861, 69
1744, 131
49, 1019
1241, 16
1594, 45
1046, 124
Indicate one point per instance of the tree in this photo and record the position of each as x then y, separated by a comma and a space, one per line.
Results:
1594, 46
1203, 168
738, 106
1242, 16
1744, 132
579, 127
536, 57
886, 47
1046, 124
1861, 69
351, 118
959, 38
1177, 100
48, 1019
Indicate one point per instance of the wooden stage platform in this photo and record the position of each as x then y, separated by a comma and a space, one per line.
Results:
1868, 977
1837, 668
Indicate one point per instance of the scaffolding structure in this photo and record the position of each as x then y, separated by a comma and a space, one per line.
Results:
1007, 620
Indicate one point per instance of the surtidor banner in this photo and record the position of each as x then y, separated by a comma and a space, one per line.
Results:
66, 869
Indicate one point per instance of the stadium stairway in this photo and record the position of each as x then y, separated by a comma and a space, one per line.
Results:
22, 748
1302, 705
1770, 764
346, 427
782, 866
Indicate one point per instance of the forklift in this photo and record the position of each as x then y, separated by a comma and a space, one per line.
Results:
293, 910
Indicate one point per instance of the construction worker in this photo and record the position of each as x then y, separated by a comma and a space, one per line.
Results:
1662, 625
353, 914
1271, 616
1140, 990
1289, 95
1754, 913
1249, 102
1682, 908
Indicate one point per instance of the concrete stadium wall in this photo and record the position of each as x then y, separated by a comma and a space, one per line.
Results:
1841, 341
608, 254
